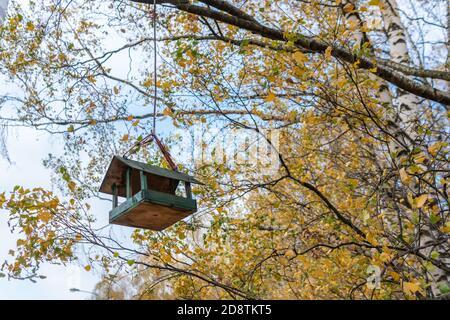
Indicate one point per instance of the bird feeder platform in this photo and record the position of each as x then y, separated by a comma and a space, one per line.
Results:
150, 192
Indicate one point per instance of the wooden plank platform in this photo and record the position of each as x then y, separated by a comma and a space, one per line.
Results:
153, 210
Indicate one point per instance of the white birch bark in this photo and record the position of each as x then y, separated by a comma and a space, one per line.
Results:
408, 104
407, 118
448, 37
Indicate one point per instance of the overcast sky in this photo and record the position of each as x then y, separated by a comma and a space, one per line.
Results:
26, 149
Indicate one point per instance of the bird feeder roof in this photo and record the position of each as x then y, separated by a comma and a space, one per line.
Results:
118, 165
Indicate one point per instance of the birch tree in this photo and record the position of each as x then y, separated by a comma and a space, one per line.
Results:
357, 91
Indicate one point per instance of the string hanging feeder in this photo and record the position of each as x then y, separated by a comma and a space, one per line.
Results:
150, 191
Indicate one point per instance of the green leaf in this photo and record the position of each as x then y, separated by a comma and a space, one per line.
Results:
2, 275
434, 218
130, 262
444, 288
434, 255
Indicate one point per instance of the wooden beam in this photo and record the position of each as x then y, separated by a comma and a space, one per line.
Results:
143, 180
128, 182
187, 187
114, 191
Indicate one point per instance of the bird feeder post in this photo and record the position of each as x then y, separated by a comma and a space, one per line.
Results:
187, 187
115, 196
128, 182
143, 180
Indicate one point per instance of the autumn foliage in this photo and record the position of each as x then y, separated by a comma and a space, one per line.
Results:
358, 205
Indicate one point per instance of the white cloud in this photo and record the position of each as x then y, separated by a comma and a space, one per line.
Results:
27, 148
3, 8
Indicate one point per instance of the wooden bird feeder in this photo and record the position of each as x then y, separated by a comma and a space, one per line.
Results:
151, 202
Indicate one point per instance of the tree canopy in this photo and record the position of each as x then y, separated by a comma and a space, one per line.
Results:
327, 122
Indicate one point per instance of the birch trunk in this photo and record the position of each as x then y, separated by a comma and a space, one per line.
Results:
408, 110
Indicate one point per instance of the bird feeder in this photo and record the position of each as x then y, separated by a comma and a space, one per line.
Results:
150, 192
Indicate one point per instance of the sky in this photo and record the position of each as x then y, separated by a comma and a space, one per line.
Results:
27, 148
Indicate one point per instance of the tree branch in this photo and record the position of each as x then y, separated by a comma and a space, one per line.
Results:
313, 45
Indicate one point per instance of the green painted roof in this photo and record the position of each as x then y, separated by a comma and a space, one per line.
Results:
158, 170
118, 165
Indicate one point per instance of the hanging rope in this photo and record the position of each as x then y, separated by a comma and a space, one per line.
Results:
152, 136
155, 77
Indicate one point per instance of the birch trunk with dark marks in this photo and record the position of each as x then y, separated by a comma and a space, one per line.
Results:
407, 119
447, 63
357, 38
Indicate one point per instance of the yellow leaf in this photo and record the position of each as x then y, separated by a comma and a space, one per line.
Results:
135, 123
91, 107
270, 97
385, 257
45, 216
147, 83
300, 57
62, 57
168, 112
166, 85
349, 8
411, 287
328, 53
394, 275
435, 148
419, 158
299, 72
284, 261
371, 238
125, 137
30, 26
2, 199
293, 115
404, 177
446, 227
420, 200
130, 118
289, 254
87, 268
374, 2
116, 90
71, 185
54, 203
